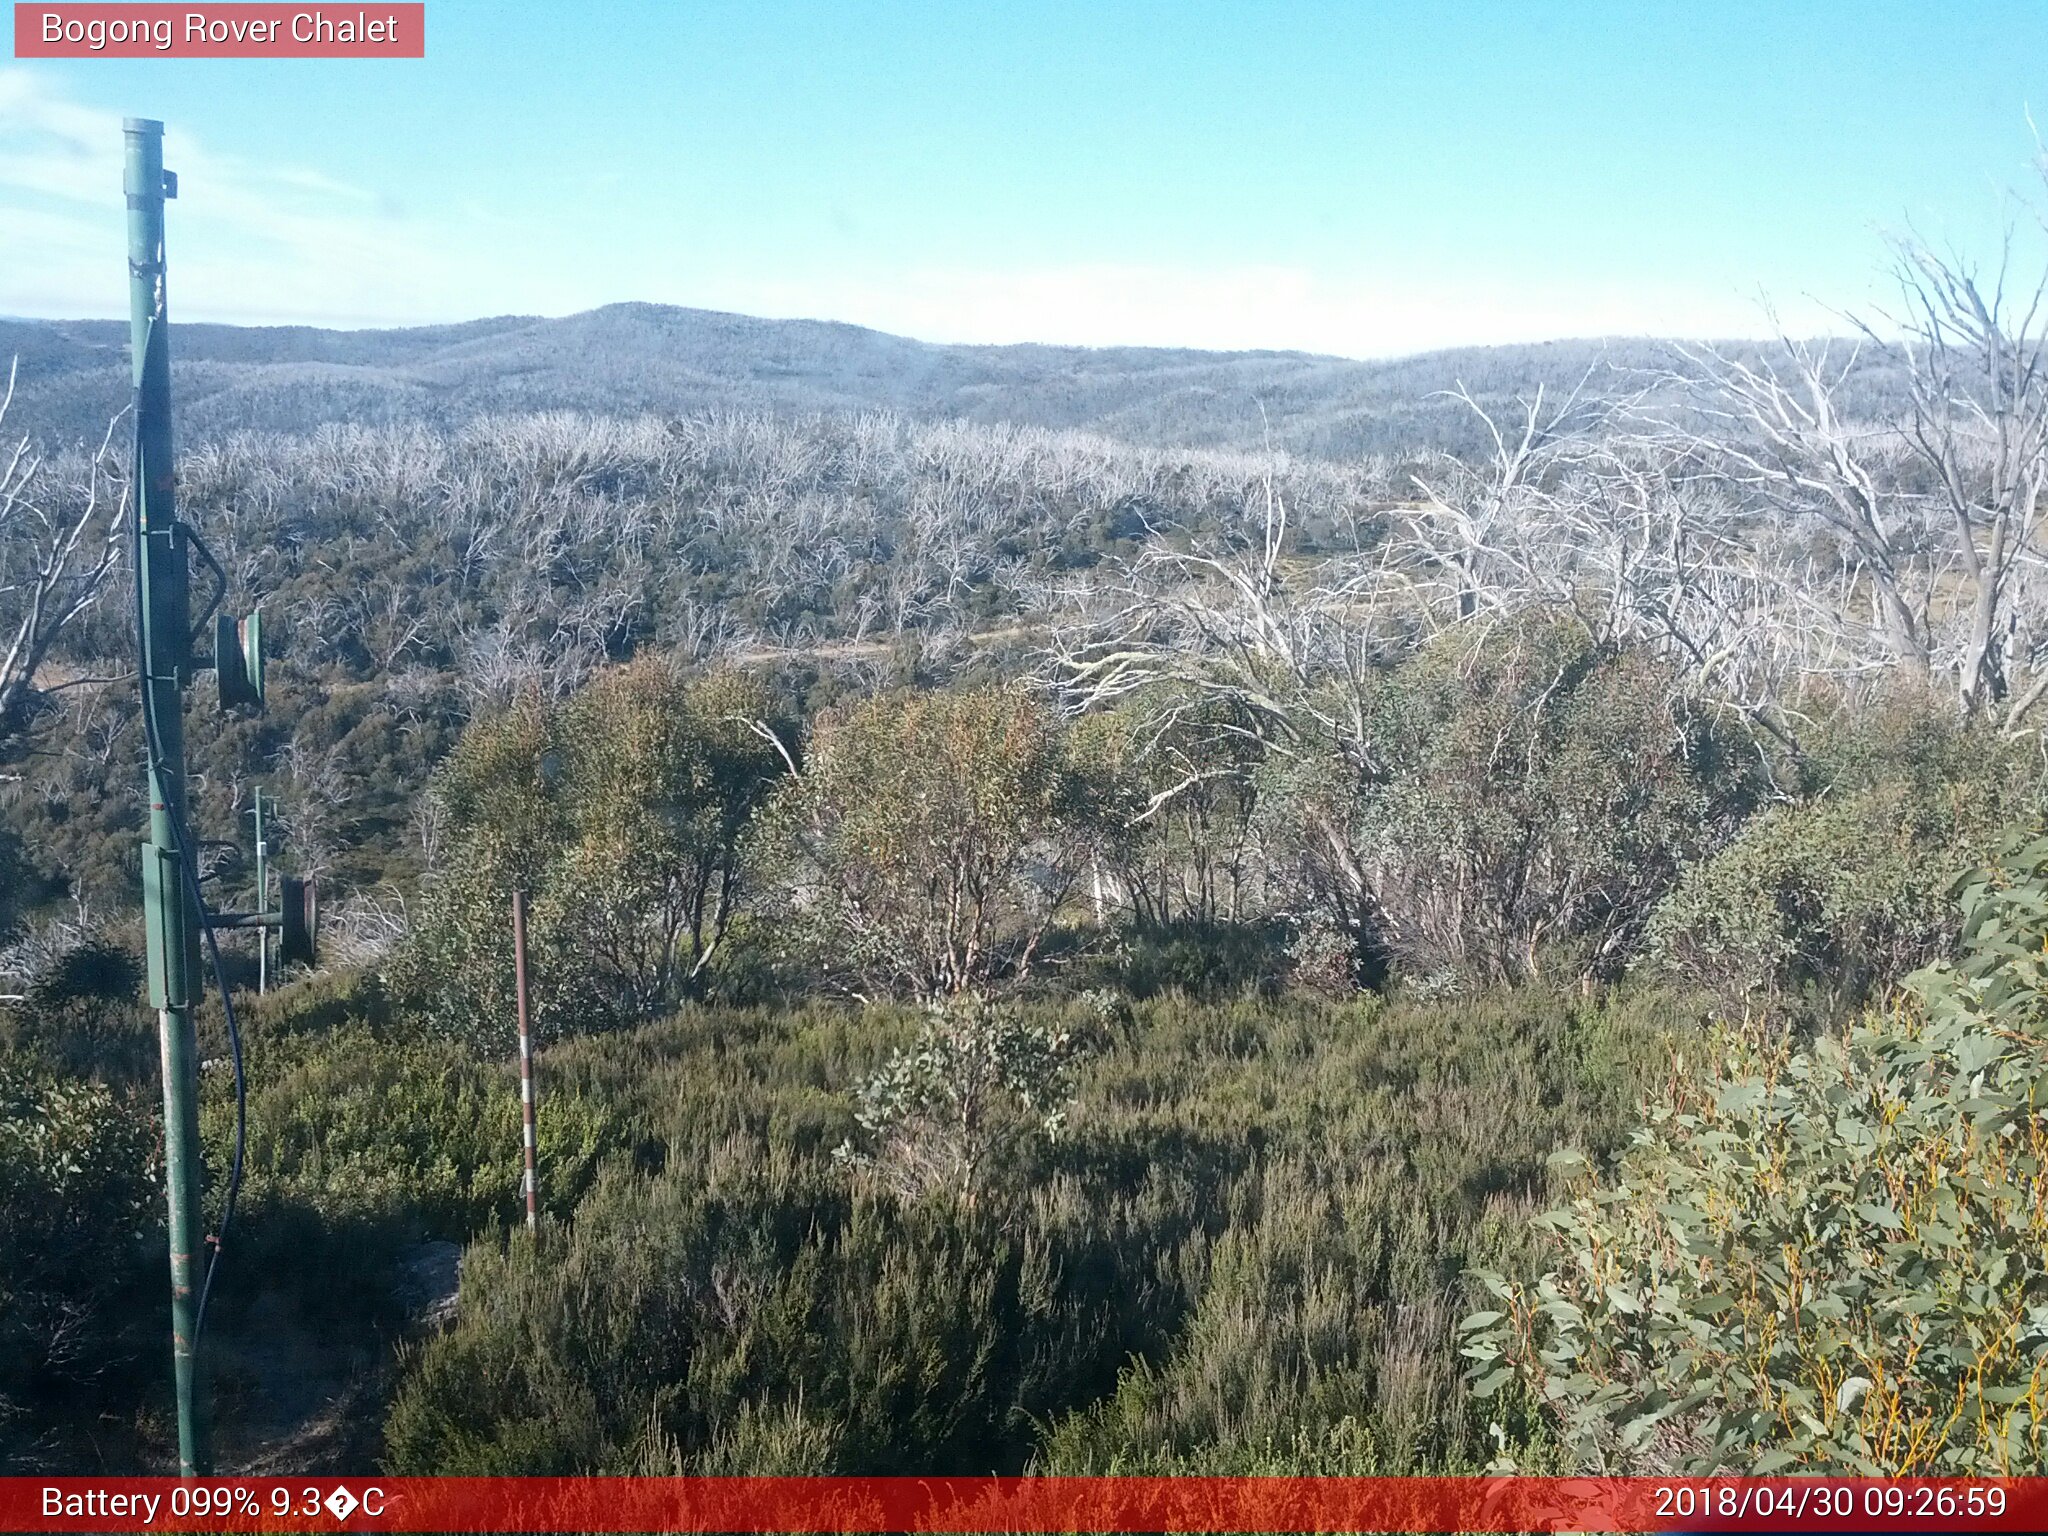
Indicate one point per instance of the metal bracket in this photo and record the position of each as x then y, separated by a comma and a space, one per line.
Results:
220, 579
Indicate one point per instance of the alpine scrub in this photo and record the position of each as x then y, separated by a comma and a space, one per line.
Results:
1821, 1258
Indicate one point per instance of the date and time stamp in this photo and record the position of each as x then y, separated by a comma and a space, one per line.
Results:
403, 1505
1797, 1501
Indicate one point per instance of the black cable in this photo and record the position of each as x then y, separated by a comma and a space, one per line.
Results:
188, 863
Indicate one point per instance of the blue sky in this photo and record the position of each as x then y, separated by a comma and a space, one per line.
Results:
1359, 178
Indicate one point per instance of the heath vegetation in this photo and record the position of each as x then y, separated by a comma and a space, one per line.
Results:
1126, 951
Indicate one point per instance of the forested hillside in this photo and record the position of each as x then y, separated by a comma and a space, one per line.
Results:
1083, 906
632, 358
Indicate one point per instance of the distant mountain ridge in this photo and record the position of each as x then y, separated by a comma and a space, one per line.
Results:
627, 359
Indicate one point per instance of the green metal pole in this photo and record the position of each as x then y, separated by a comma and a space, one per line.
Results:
164, 605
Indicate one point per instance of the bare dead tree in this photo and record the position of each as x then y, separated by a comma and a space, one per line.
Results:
60, 539
1478, 535
363, 926
1238, 635
1979, 429
1774, 430
1645, 552
311, 818
1935, 517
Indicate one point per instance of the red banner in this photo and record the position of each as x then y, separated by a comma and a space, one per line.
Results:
235, 31
989, 1504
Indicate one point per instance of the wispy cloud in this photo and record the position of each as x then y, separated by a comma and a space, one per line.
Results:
251, 242
259, 242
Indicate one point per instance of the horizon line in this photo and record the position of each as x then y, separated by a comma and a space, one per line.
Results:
1599, 340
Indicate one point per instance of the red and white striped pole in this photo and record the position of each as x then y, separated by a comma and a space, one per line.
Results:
525, 1058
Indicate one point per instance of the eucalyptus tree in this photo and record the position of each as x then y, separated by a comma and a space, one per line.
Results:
622, 811
931, 841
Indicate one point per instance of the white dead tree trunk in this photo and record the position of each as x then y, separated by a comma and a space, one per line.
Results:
1240, 638
1775, 432
60, 538
1936, 513
1478, 541
1979, 430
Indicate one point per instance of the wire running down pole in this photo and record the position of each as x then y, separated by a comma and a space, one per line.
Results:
525, 1061
262, 896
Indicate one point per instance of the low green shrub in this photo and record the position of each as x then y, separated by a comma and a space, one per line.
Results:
81, 1014
685, 1313
1824, 1259
1196, 959
1840, 893
981, 1084
414, 1130
81, 1231
1247, 1233
362, 1140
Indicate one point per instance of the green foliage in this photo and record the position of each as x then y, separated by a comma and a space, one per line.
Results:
1176, 787
505, 827
621, 814
1841, 893
94, 970
14, 881
931, 840
979, 1083
1243, 1240
365, 1137
419, 1130
1286, 1338
81, 1015
1822, 1259
676, 1302
1197, 959
77, 1207
1535, 796
661, 782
